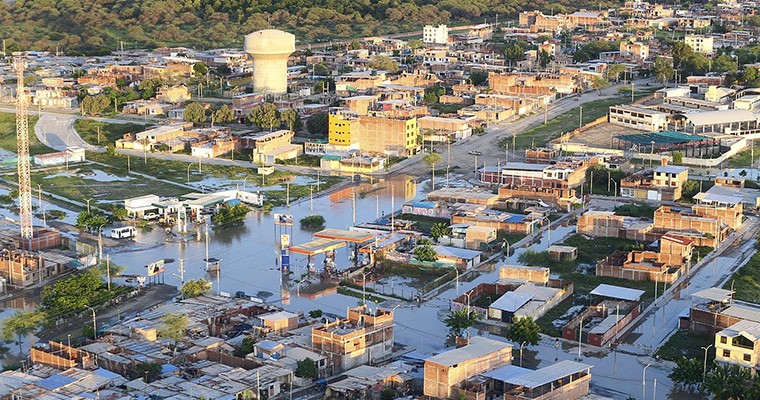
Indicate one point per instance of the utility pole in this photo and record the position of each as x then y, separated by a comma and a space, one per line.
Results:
181, 272
108, 270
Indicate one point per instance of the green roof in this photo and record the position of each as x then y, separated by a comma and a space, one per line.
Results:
665, 137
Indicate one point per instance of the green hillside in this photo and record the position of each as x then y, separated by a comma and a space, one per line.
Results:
96, 26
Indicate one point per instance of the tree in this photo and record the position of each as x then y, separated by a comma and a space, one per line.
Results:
313, 222
431, 159
318, 124
599, 83
307, 369
478, 78
321, 70
544, 58
195, 288
291, 119
195, 113
21, 324
174, 327
317, 313
689, 190
524, 329
265, 116
724, 63
425, 253
383, 63
460, 319
663, 69
677, 158
688, 372
438, 230
433, 94
73, 294
514, 53
415, 44
149, 371
148, 87
200, 70
354, 45
91, 220
230, 214
95, 105
614, 71
728, 382
223, 115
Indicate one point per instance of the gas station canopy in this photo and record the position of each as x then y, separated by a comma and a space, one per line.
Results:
318, 246
345, 235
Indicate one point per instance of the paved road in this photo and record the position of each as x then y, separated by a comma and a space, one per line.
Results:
488, 144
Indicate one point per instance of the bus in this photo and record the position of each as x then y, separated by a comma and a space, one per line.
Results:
123, 232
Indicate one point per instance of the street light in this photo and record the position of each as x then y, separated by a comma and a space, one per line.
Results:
704, 366
94, 324
39, 195
188, 173
651, 154
521, 352
244, 179
364, 287
457, 278
88, 204
644, 382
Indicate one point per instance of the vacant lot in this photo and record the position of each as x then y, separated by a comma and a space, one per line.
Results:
8, 135
109, 133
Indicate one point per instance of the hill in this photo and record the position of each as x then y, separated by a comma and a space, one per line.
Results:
96, 26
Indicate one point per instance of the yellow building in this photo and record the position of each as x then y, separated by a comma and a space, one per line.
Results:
342, 125
739, 344
373, 133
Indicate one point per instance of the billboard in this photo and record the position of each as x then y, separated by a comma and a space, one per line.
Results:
284, 242
283, 219
156, 268
285, 252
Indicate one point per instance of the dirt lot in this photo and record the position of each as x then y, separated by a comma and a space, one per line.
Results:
602, 135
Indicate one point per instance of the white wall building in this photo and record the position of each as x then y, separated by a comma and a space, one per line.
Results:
435, 34
700, 44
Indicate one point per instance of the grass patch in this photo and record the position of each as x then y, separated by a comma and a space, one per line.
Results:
8, 135
349, 292
566, 122
685, 343
305, 160
745, 281
445, 108
76, 185
424, 223
641, 210
546, 322
109, 133
743, 159
392, 268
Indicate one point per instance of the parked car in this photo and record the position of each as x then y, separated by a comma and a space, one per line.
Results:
150, 216
474, 153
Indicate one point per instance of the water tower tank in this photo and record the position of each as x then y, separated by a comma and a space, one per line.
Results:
270, 49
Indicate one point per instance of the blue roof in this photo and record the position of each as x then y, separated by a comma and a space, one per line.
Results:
168, 369
505, 373
516, 218
55, 381
424, 204
267, 345
106, 373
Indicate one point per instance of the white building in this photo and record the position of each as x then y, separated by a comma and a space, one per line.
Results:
435, 35
700, 44
638, 118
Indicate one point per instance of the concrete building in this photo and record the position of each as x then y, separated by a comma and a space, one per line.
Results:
373, 133
365, 336
739, 344
710, 230
435, 34
664, 183
526, 301
446, 370
271, 146
609, 316
700, 44
270, 49
173, 94
565, 174
640, 118
636, 50
565, 380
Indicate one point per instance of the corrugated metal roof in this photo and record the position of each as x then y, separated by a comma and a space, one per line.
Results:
720, 117
749, 329
55, 382
478, 347
511, 301
743, 312
617, 292
549, 374
506, 372
714, 294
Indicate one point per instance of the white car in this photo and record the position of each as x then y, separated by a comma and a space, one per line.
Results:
150, 216
474, 153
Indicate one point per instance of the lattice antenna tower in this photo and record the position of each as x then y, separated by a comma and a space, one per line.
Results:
22, 141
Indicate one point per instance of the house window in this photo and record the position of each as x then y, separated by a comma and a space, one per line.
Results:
726, 353
723, 339
747, 357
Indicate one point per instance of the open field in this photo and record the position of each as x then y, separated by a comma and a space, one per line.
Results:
8, 135
109, 133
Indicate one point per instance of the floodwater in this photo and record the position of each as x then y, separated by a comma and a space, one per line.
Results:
248, 252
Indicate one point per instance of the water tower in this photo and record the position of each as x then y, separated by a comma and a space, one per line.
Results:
270, 49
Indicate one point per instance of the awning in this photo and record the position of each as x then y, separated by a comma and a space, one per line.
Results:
318, 246
345, 235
